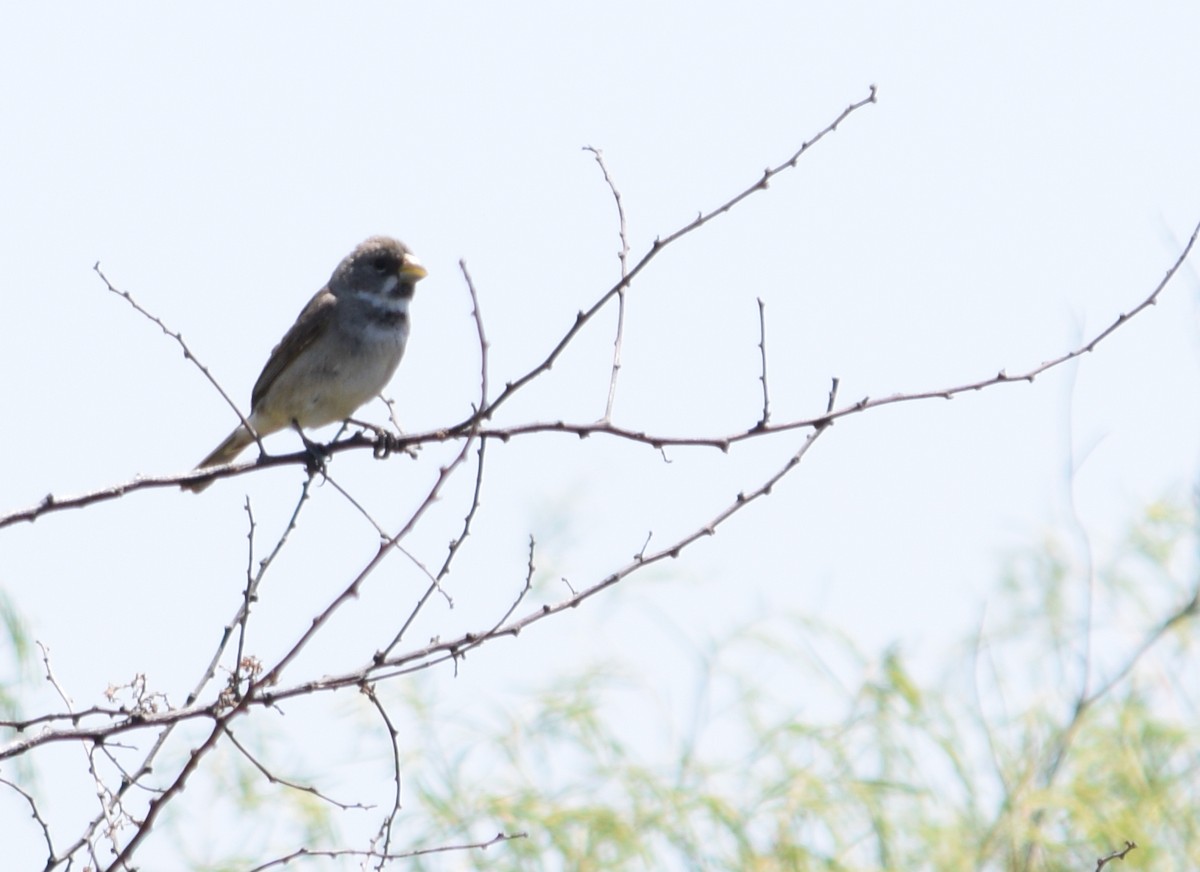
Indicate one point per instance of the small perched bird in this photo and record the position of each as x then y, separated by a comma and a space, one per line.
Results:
341, 352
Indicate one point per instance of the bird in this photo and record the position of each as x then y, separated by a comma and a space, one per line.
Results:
341, 352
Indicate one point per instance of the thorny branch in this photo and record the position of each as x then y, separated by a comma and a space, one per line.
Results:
265, 691
723, 442
659, 245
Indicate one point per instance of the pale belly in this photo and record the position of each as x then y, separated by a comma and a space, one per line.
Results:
327, 385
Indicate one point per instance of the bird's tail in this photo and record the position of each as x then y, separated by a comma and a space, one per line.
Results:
224, 453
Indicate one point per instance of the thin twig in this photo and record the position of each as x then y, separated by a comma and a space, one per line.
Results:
833, 392
623, 287
111, 812
238, 622
456, 543
302, 788
668, 552
50, 677
406, 855
661, 243
249, 595
21, 726
1101, 862
51, 857
370, 519
762, 350
530, 568
477, 317
187, 352
393, 736
248, 598
391, 407
641, 552
435, 582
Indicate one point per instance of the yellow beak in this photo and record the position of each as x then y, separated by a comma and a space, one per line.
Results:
411, 268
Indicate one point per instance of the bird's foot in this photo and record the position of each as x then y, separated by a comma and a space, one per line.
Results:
318, 454
386, 442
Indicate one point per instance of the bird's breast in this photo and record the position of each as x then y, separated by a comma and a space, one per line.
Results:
343, 369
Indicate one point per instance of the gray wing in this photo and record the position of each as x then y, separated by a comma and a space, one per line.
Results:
314, 320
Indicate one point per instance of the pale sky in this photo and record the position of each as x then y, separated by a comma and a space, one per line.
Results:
1028, 173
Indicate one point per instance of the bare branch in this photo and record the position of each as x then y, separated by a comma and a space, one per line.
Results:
623, 256
762, 349
1101, 862
406, 855
457, 542
833, 391
58, 688
51, 858
582, 318
302, 788
257, 690
477, 317
393, 737
471, 427
187, 352
249, 596
264, 691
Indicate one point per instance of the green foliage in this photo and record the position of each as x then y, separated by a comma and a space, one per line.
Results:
19, 653
1069, 727
17, 664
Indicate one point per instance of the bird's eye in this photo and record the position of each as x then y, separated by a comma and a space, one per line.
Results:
380, 264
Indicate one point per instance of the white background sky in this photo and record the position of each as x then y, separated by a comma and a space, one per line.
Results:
1029, 172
